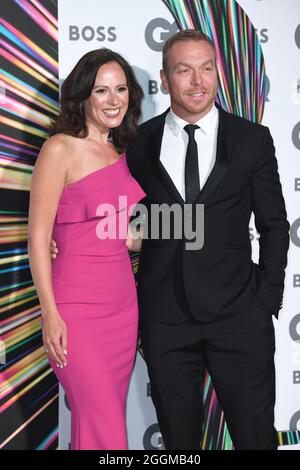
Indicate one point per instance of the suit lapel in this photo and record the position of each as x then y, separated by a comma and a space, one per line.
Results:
161, 172
223, 156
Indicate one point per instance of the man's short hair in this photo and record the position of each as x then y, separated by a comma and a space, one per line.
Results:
182, 36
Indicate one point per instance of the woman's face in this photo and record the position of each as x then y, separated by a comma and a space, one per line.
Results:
108, 102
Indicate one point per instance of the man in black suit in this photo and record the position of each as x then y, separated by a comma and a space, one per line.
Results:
213, 306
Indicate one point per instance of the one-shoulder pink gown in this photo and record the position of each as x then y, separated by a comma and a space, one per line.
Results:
95, 293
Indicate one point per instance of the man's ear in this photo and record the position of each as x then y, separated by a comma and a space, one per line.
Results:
164, 80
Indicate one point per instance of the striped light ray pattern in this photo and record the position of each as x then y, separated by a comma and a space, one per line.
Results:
240, 63
28, 102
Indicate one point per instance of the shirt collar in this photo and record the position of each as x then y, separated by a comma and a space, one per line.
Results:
208, 123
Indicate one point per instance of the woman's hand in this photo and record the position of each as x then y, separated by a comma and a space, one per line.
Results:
55, 338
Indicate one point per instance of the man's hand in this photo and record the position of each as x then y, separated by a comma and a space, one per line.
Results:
53, 249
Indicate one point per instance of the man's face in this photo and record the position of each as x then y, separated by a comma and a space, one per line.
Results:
191, 79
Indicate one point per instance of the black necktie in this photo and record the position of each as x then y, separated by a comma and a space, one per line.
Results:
191, 170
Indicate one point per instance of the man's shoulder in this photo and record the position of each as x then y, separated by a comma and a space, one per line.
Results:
240, 124
153, 123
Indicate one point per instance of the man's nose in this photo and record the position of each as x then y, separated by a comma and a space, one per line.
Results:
196, 78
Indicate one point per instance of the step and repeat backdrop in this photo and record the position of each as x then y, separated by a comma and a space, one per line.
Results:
258, 52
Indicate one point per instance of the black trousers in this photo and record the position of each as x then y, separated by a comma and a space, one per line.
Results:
238, 353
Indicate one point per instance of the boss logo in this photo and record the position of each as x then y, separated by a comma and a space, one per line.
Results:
154, 88
296, 377
90, 33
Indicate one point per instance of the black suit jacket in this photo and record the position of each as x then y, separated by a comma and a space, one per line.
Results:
220, 279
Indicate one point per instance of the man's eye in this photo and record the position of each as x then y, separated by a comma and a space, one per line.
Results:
182, 70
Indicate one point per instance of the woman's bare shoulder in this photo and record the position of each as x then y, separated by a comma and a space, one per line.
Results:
60, 147
59, 143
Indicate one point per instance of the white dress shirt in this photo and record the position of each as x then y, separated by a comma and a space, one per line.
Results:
175, 142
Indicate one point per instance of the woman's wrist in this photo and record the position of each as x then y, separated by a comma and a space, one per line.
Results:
49, 313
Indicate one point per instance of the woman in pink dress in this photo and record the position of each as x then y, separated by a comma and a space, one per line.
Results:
82, 193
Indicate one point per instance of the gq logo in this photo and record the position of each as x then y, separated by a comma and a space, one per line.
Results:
158, 31
293, 329
67, 405
296, 136
295, 421
152, 439
295, 233
297, 36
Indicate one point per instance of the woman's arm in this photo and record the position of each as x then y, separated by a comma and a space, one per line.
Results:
46, 187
